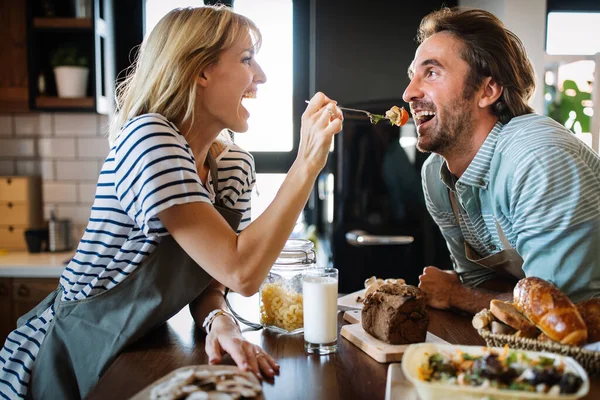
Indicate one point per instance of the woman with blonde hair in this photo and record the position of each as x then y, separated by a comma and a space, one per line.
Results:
170, 224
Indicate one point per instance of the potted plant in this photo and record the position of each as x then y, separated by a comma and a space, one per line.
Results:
71, 71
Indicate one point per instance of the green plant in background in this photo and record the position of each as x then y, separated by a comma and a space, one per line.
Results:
68, 55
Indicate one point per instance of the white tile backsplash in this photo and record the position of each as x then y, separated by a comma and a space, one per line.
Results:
27, 167
33, 124
92, 148
57, 148
17, 148
103, 126
47, 170
7, 167
66, 149
77, 170
77, 214
58, 192
75, 124
6, 125
87, 192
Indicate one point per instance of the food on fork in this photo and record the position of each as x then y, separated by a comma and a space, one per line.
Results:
397, 115
396, 314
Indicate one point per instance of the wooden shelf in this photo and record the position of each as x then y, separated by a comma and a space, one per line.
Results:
57, 102
63, 23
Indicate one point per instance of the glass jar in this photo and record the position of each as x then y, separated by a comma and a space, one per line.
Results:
281, 292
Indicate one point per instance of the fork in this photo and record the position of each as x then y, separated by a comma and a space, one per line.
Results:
374, 118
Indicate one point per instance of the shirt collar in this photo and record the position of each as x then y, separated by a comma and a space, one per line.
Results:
478, 171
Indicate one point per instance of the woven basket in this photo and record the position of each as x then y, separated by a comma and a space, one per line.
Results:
589, 360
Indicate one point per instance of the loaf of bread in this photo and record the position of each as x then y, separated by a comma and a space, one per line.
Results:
551, 310
508, 313
373, 283
396, 314
590, 312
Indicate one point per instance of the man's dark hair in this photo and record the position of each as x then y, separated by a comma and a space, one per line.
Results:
490, 49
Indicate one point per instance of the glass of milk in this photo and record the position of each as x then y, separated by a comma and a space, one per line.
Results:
320, 292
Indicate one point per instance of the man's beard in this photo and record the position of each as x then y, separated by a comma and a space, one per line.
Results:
454, 127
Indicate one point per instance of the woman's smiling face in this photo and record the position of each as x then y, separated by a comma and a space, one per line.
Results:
234, 77
441, 106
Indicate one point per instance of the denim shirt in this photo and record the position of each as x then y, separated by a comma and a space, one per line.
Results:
542, 185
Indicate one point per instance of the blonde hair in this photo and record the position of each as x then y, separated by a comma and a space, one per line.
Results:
182, 44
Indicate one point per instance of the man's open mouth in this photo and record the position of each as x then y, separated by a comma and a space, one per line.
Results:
422, 117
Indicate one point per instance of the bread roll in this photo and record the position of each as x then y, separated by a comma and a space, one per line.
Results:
507, 313
551, 310
590, 312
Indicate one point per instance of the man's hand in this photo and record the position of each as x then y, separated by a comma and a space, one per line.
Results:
225, 337
438, 285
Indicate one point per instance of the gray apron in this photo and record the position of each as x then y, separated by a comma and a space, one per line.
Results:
507, 262
87, 335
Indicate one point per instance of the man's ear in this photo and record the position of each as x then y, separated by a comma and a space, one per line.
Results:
492, 90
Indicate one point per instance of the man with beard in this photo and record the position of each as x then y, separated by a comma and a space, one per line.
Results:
514, 193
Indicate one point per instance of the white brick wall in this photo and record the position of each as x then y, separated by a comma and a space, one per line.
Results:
66, 149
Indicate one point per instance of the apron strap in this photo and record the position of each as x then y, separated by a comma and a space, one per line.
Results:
503, 239
214, 173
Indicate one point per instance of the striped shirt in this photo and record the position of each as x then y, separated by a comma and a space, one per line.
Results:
542, 185
149, 168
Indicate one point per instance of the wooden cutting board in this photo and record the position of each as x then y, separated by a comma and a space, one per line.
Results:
348, 302
378, 350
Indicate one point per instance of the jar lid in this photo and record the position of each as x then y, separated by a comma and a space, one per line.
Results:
297, 251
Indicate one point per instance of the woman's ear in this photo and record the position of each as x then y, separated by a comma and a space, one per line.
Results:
492, 90
202, 79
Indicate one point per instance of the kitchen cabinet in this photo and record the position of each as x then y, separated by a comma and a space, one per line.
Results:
20, 209
18, 296
32, 31
28, 292
53, 25
14, 81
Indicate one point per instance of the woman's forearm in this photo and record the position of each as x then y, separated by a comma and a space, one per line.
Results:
241, 262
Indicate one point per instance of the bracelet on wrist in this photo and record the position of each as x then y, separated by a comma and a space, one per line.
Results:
213, 315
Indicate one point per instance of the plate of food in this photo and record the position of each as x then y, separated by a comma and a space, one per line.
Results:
197, 382
473, 372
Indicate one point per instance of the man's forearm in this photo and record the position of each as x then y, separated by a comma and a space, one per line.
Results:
473, 300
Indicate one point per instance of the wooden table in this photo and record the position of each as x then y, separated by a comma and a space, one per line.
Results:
348, 374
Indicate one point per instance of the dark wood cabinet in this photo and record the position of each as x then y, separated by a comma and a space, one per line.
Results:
18, 296
14, 82
88, 38
31, 31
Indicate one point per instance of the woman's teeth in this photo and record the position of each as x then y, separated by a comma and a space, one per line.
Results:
249, 95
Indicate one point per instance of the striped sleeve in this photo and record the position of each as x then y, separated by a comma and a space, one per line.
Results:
237, 177
470, 273
154, 170
557, 215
